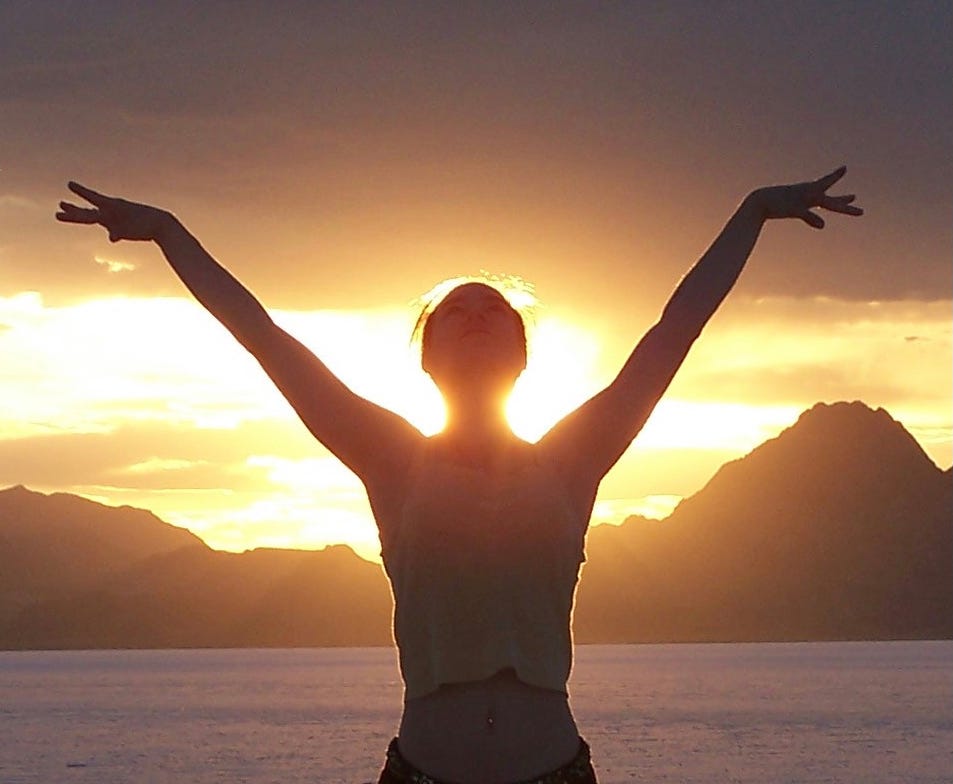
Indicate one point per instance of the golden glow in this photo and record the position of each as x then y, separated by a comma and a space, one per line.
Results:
187, 424
561, 373
681, 424
615, 511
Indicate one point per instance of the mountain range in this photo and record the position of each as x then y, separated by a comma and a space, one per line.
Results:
839, 528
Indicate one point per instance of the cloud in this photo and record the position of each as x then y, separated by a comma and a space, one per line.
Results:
572, 159
790, 351
260, 484
114, 265
153, 455
156, 464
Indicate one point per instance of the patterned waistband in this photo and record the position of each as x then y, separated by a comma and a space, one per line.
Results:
577, 771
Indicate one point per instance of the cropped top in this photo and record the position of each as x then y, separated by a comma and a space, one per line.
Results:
483, 571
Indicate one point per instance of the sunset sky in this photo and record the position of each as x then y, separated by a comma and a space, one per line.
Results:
342, 158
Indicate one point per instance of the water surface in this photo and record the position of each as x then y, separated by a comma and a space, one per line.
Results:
868, 713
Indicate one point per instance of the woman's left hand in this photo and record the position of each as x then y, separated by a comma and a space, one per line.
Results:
124, 220
797, 201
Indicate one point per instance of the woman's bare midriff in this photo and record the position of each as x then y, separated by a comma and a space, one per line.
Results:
496, 730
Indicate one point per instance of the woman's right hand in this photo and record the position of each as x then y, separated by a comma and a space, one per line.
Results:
798, 200
123, 220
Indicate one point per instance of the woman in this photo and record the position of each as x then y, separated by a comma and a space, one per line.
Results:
481, 533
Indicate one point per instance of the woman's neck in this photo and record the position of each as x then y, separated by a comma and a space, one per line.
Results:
477, 434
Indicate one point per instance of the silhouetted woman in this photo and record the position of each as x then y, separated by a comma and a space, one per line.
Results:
482, 533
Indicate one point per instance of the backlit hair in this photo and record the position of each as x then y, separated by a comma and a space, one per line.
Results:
518, 294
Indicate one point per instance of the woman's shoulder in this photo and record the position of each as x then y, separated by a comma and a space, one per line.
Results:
387, 492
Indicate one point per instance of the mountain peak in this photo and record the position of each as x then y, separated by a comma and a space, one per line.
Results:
18, 491
842, 412
47, 536
842, 454
851, 433
837, 528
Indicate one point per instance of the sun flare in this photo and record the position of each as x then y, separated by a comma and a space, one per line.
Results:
561, 373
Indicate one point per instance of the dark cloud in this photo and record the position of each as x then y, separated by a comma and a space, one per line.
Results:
569, 143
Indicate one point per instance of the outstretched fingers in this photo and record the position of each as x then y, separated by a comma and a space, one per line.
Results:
841, 204
826, 181
812, 219
93, 197
70, 213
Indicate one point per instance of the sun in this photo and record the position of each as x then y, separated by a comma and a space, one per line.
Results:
560, 375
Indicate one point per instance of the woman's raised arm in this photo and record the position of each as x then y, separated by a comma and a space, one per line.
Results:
370, 440
588, 442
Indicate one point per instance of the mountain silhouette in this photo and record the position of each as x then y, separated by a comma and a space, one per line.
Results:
197, 597
61, 543
839, 528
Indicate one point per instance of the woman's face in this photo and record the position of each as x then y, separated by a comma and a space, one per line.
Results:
474, 330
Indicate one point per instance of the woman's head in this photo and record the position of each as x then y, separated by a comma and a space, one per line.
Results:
470, 329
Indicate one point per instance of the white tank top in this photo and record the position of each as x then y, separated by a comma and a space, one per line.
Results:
483, 572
